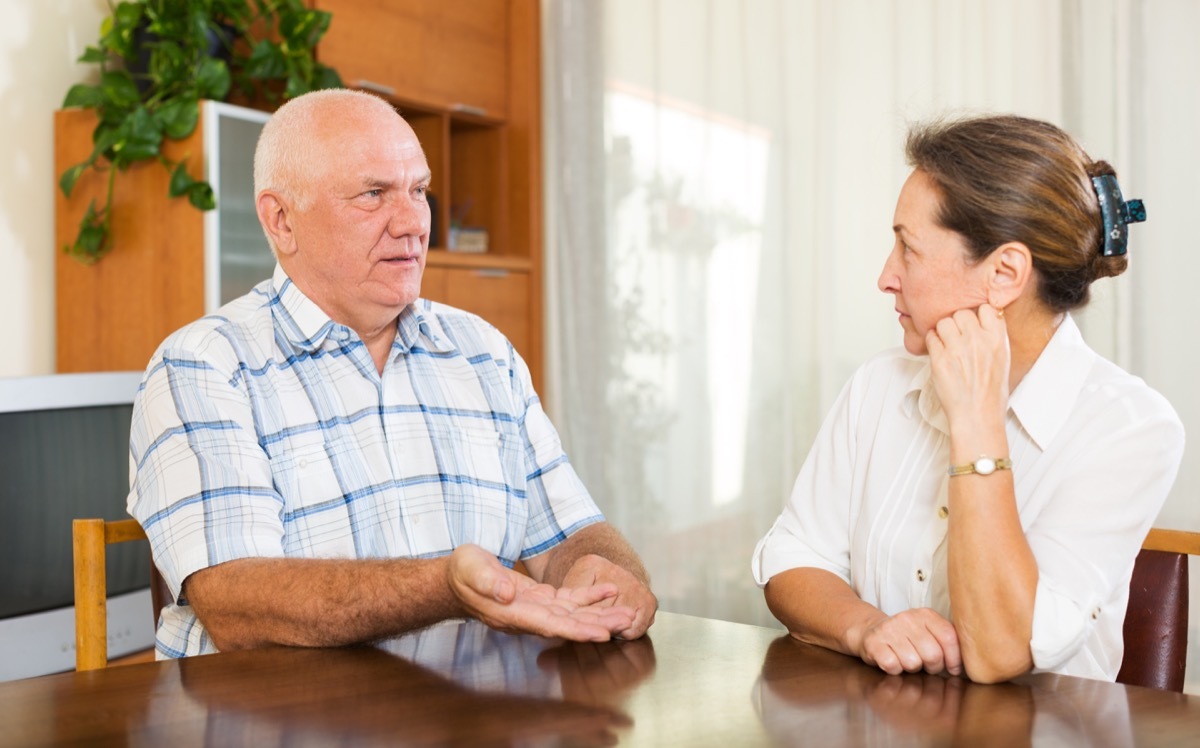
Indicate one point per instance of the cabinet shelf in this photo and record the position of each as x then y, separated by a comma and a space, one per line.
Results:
443, 258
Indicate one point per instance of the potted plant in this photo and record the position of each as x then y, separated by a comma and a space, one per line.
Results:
158, 59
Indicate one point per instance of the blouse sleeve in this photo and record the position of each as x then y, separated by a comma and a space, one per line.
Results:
1109, 486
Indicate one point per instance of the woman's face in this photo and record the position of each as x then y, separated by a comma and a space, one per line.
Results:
928, 270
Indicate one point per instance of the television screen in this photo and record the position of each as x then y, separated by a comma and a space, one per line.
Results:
58, 465
64, 454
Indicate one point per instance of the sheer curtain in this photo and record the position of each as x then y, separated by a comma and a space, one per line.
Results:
721, 182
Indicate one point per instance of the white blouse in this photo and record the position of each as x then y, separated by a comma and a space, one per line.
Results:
1094, 453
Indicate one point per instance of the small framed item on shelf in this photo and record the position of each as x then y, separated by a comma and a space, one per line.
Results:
473, 240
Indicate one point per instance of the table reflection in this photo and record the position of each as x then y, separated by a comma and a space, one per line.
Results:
808, 695
456, 683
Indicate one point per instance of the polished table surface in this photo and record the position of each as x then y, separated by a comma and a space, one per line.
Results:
690, 682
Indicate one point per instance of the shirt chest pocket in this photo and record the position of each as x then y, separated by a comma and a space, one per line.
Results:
305, 475
482, 479
479, 456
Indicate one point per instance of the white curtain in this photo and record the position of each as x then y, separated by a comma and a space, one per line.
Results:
721, 182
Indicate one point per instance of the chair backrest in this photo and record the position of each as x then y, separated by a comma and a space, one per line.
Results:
90, 539
1156, 621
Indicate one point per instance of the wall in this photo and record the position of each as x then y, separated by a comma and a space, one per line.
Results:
39, 43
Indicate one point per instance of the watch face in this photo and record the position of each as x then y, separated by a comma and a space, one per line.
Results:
985, 466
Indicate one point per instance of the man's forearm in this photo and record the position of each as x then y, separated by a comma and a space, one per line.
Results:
319, 602
601, 539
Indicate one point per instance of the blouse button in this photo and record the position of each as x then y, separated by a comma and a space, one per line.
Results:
943, 512
920, 575
1095, 613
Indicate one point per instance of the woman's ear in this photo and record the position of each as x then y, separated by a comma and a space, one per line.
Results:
274, 215
1011, 272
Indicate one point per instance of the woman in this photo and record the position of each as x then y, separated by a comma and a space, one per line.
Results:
974, 503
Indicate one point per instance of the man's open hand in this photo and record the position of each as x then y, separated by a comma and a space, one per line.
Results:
510, 601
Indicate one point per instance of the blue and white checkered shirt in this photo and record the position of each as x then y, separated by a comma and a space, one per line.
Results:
265, 430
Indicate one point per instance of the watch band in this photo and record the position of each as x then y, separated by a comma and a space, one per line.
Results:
984, 465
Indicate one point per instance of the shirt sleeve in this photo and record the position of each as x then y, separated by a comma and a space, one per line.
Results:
559, 504
201, 485
1110, 487
813, 531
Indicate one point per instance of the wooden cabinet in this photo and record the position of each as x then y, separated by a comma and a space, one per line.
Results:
170, 263
497, 293
466, 74
449, 54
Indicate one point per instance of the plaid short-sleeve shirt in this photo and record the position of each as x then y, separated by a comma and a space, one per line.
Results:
265, 430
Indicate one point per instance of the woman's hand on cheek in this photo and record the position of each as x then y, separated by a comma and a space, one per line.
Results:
969, 357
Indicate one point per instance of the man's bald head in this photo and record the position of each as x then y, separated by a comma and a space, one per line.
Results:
304, 137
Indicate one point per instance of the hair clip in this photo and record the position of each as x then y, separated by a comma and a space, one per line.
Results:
1116, 214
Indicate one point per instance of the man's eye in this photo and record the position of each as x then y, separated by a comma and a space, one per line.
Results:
374, 193
422, 190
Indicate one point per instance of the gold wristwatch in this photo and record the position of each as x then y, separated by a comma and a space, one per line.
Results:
983, 466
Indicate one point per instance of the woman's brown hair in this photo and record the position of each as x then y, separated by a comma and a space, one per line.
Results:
1007, 178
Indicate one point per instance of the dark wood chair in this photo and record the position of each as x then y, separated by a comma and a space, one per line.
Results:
1156, 622
90, 539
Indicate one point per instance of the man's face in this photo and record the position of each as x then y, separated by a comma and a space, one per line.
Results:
361, 229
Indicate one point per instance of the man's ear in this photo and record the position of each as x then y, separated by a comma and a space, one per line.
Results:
274, 213
1011, 272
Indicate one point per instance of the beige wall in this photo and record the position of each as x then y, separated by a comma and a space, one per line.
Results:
39, 43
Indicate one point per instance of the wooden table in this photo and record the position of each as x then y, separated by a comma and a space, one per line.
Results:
691, 682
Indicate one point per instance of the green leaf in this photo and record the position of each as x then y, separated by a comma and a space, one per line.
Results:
67, 181
201, 195
178, 117
81, 94
93, 55
181, 181
139, 137
326, 77
92, 240
212, 79
266, 61
127, 15
198, 16
119, 89
104, 137
296, 86
119, 31
296, 27
170, 65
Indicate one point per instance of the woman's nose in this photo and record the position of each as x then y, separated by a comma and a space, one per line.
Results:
889, 280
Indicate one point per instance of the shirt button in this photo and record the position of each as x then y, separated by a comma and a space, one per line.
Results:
302, 463
943, 512
416, 520
920, 575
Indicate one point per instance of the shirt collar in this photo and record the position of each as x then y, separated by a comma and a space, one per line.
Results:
1044, 398
306, 326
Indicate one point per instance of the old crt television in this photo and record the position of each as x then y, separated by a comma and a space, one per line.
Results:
64, 453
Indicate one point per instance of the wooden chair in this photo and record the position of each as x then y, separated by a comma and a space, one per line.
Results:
1156, 621
90, 539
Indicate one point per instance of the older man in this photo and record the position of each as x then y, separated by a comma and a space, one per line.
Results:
330, 459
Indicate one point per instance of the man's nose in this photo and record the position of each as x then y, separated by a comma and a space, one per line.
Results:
410, 217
